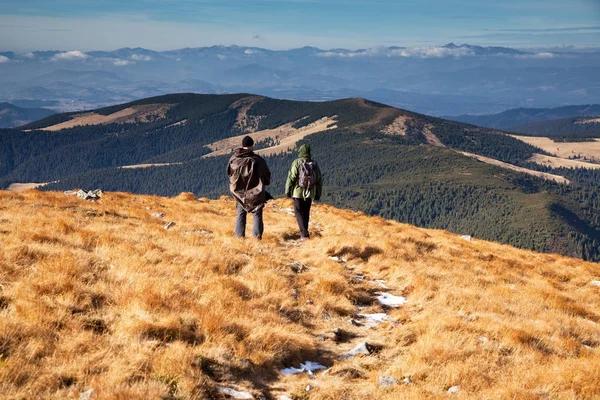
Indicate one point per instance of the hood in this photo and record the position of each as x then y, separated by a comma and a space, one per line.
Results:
304, 152
242, 152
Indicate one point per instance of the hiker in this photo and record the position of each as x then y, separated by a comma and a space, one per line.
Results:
248, 175
304, 183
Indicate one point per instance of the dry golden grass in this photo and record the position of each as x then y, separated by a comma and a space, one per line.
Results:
100, 295
591, 150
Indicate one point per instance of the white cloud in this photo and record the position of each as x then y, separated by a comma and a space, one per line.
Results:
140, 57
417, 52
29, 55
221, 57
70, 56
251, 52
537, 55
4, 59
122, 63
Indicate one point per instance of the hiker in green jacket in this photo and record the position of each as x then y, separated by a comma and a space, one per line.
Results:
304, 184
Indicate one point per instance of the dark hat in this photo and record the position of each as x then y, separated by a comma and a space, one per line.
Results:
247, 141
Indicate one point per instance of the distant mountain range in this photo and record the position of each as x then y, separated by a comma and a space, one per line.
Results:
516, 119
436, 80
12, 116
375, 158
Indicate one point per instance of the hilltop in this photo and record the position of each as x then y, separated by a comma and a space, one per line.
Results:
378, 159
99, 295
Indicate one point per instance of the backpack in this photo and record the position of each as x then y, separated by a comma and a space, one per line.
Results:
242, 178
307, 178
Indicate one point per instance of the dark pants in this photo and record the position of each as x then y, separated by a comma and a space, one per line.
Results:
257, 222
302, 212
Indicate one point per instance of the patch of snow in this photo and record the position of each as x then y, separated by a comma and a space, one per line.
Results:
390, 300
308, 367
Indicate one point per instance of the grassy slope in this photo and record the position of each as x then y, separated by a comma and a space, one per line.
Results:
99, 295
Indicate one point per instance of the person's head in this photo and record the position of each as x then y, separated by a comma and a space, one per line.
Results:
247, 142
304, 152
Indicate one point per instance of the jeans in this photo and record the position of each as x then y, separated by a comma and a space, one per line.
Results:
302, 212
240, 222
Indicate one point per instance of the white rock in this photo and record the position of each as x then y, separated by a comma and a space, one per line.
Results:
454, 389
235, 394
284, 397
390, 300
468, 238
308, 388
158, 215
406, 381
87, 395
335, 258
595, 283
361, 348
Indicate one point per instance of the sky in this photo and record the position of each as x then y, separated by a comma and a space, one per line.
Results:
27, 25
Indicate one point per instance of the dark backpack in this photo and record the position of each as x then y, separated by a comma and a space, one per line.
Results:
307, 178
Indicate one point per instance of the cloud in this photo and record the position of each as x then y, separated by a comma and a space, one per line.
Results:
221, 57
140, 57
251, 52
70, 56
122, 63
29, 55
543, 55
4, 59
416, 52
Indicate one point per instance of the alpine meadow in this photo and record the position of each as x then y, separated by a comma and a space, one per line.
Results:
299, 200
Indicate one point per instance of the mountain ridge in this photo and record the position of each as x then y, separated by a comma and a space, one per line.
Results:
377, 159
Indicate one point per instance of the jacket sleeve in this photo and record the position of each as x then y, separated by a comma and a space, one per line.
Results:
292, 178
319, 188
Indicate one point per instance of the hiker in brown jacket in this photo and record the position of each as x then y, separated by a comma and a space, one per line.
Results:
248, 175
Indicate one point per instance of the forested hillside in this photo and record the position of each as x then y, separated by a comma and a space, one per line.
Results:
375, 158
576, 127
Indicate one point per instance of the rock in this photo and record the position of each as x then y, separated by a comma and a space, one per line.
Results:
338, 259
361, 348
356, 323
453, 389
390, 300
309, 302
70, 193
92, 195
234, 394
169, 225
148, 208
158, 215
360, 277
468, 238
387, 381
87, 395
297, 267
406, 381
284, 397
595, 283
308, 388
295, 294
